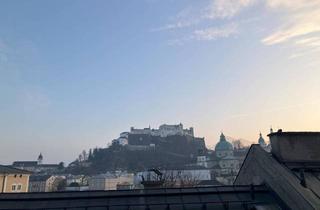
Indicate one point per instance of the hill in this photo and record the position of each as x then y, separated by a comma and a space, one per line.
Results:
142, 152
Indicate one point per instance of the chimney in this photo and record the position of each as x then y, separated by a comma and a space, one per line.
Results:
295, 146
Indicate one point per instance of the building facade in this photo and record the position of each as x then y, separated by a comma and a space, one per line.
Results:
44, 183
110, 181
13, 180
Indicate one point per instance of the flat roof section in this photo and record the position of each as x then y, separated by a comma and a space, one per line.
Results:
219, 197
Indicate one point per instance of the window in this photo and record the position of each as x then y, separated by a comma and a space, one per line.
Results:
19, 187
13, 187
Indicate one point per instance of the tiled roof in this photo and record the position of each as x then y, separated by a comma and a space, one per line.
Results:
39, 178
25, 163
10, 170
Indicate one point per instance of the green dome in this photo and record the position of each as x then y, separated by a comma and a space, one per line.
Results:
223, 144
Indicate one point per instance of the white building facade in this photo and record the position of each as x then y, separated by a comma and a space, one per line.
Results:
110, 181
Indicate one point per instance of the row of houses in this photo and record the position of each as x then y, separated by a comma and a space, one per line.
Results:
17, 180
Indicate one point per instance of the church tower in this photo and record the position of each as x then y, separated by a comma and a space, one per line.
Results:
261, 141
40, 158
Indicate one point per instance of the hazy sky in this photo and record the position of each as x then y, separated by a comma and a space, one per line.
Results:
74, 74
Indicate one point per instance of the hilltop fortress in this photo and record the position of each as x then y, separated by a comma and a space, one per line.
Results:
166, 136
164, 131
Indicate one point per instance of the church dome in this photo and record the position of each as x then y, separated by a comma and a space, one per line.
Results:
223, 144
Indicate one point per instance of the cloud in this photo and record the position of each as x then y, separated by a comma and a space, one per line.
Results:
34, 99
177, 25
289, 4
300, 22
312, 41
215, 9
199, 21
220, 9
296, 22
213, 33
207, 34
187, 17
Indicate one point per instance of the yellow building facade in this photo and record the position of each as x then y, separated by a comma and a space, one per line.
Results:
13, 180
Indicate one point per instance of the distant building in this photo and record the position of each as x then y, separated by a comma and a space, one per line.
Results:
44, 183
36, 166
163, 131
176, 177
263, 144
223, 147
76, 183
74, 186
13, 180
203, 160
291, 171
224, 162
80, 179
110, 181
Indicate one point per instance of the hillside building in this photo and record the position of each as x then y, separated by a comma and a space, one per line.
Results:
35, 166
164, 130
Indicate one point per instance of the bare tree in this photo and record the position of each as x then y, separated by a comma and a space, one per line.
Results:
180, 178
84, 155
237, 144
80, 158
170, 179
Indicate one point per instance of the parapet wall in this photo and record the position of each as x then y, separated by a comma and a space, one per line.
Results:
296, 146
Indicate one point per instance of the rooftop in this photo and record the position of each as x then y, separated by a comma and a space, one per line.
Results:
296, 183
10, 170
219, 197
38, 178
25, 163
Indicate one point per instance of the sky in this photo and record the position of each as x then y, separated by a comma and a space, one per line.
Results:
74, 74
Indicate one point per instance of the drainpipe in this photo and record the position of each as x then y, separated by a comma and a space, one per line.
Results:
3, 183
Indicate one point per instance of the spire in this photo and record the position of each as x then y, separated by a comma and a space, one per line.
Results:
261, 140
222, 137
40, 158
